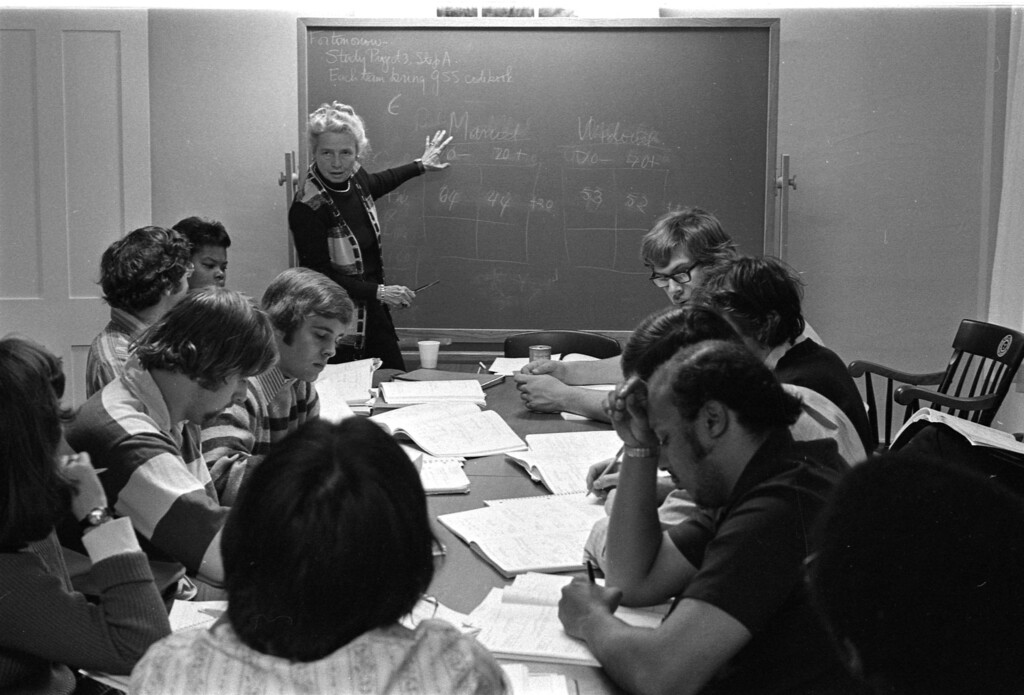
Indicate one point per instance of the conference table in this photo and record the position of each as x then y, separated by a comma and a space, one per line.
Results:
465, 578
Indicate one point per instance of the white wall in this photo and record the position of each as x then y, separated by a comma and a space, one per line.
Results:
224, 105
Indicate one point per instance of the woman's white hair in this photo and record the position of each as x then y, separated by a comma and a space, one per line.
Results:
337, 118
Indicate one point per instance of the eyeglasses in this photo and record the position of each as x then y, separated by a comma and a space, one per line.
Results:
680, 278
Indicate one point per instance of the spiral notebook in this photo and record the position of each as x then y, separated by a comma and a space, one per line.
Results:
529, 534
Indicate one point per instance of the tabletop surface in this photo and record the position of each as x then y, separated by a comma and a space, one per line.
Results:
465, 578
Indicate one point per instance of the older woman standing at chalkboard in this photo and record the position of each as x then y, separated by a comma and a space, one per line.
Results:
334, 224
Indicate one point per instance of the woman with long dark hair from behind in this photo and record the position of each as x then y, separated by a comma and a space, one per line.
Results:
327, 548
48, 630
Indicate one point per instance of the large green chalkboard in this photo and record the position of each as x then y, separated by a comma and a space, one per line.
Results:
570, 139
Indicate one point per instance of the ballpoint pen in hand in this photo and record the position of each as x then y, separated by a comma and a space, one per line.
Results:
612, 466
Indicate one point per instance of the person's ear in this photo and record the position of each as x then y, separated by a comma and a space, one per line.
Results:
714, 418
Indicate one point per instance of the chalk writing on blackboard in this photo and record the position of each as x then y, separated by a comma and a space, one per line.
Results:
568, 143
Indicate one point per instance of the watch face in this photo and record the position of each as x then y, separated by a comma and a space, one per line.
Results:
97, 517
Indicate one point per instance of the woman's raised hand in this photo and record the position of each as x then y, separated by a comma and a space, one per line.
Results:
433, 150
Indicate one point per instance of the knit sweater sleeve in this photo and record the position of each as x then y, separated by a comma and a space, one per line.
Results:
383, 182
43, 619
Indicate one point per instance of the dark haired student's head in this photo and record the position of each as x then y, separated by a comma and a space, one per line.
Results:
32, 492
146, 268
919, 577
326, 551
663, 332
211, 335
330, 539
760, 296
209, 241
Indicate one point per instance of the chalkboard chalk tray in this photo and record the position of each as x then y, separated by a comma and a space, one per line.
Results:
570, 138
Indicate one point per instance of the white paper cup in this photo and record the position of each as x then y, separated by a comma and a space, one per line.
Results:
428, 353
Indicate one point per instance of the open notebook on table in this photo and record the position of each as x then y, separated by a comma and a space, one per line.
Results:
521, 622
561, 460
539, 534
452, 428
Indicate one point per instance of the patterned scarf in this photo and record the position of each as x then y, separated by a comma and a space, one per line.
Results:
341, 242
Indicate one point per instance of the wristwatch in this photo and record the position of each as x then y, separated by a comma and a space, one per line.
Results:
95, 517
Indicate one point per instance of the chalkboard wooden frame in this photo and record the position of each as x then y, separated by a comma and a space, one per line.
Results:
453, 331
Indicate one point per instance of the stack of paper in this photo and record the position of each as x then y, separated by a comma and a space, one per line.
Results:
443, 475
561, 461
521, 622
540, 534
346, 388
414, 392
451, 428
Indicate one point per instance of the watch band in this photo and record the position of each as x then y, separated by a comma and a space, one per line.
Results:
95, 517
640, 452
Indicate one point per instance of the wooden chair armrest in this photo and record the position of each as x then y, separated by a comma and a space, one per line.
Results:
905, 395
857, 368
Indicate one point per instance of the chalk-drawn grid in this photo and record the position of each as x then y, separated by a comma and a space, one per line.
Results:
606, 211
488, 211
482, 211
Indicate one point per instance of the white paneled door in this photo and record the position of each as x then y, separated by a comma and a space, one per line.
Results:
74, 168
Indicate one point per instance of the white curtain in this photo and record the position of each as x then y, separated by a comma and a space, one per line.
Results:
1006, 304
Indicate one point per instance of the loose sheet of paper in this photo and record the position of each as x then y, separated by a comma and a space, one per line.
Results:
412, 392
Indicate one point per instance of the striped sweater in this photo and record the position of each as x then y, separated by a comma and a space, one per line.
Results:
275, 405
155, 473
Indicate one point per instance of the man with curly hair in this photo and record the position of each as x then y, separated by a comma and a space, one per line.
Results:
143, 275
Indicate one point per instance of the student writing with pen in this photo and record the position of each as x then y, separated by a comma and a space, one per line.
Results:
716, 418
310, 313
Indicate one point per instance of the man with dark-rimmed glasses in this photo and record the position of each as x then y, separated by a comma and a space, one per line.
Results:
678, 250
